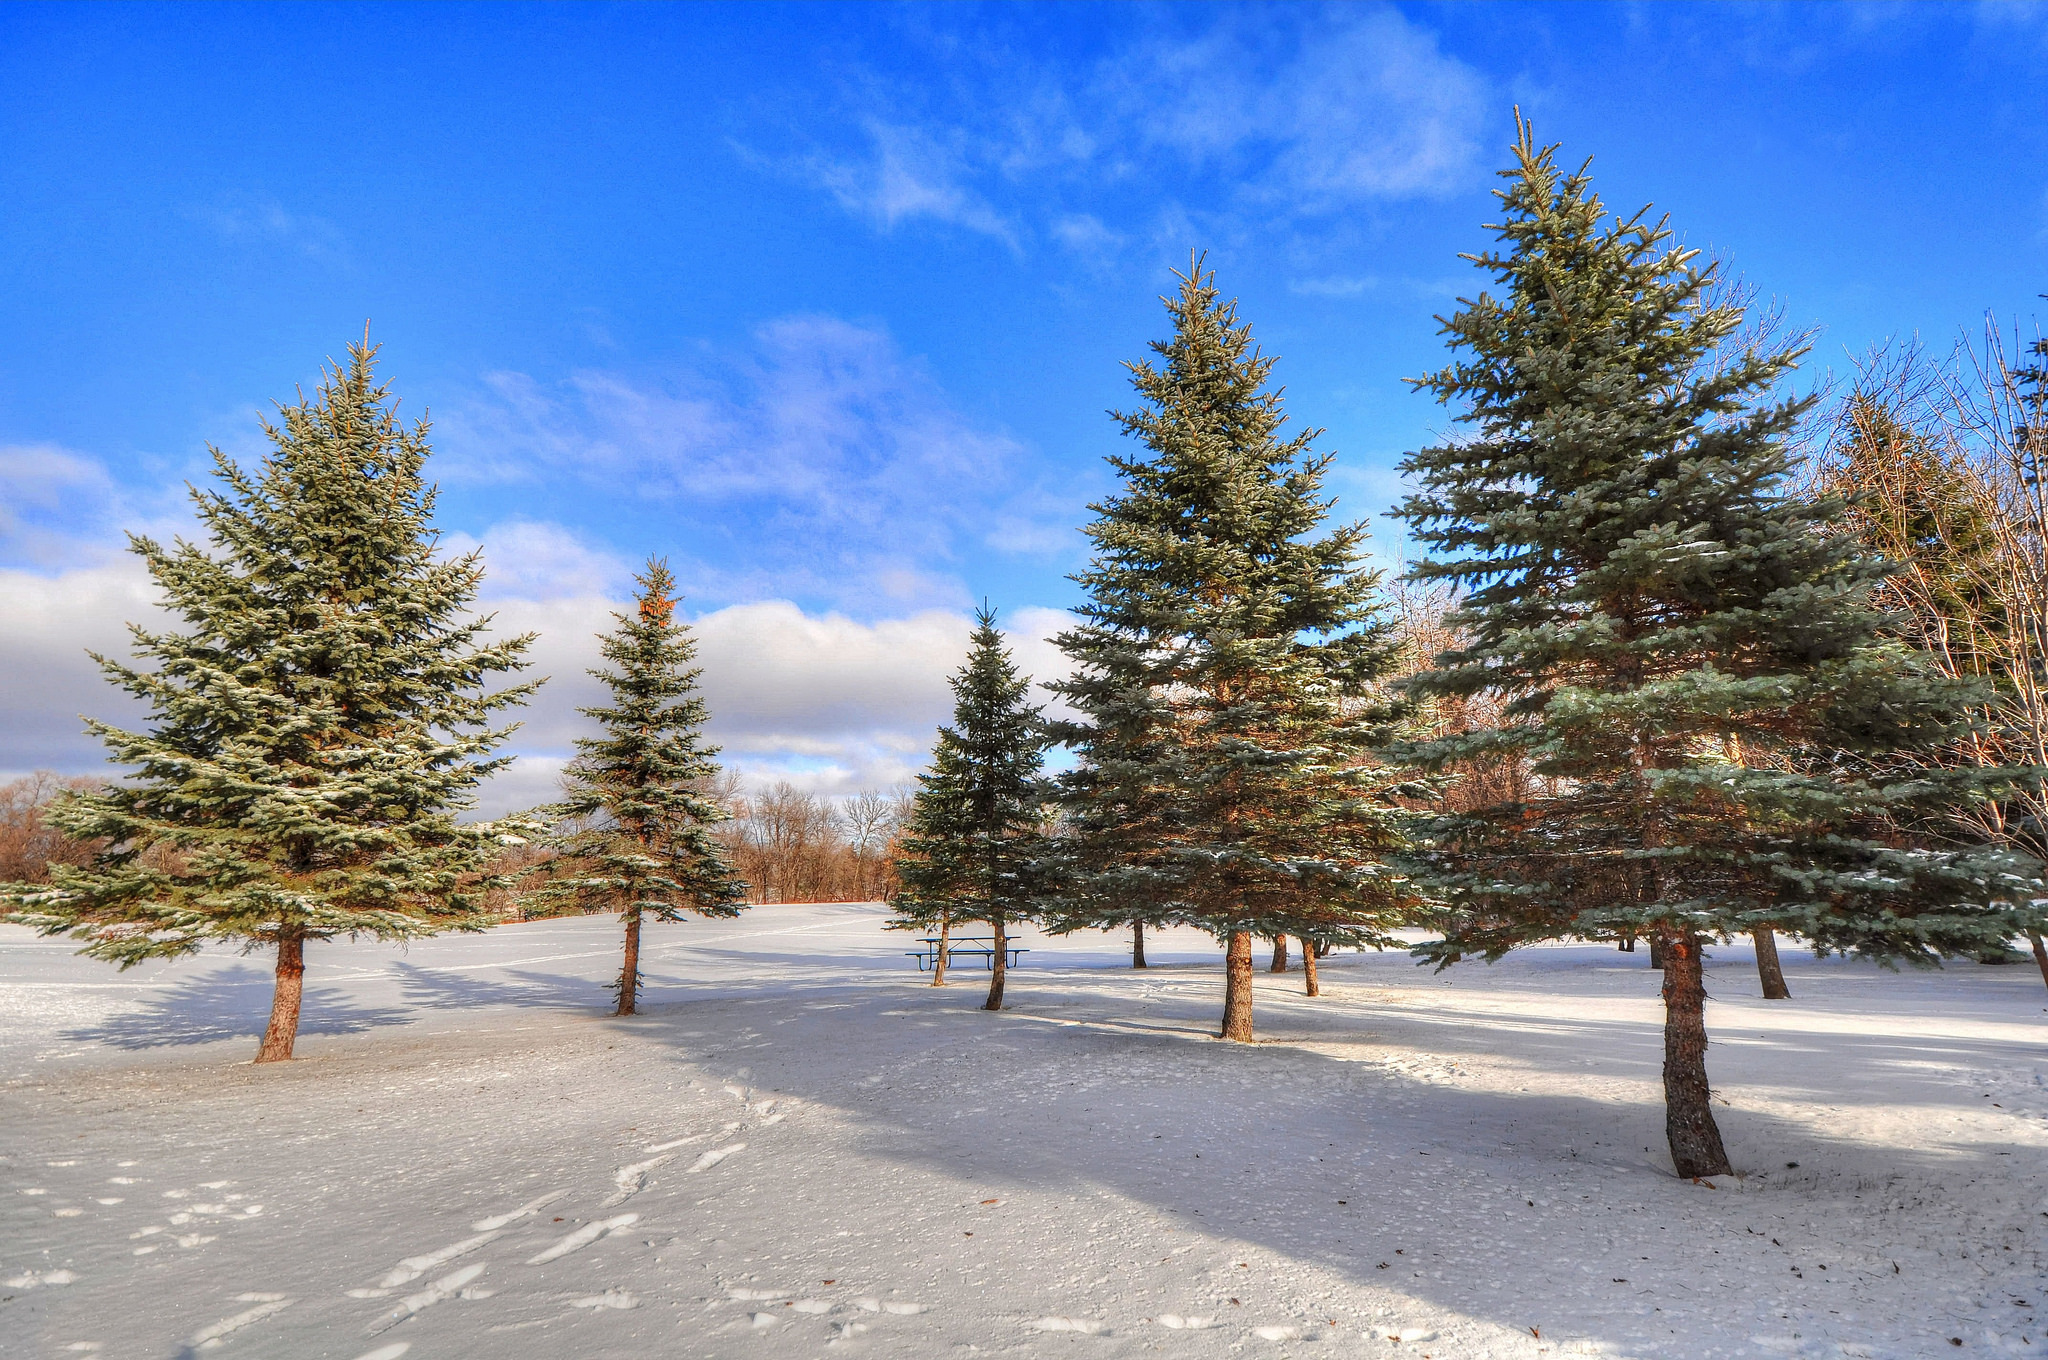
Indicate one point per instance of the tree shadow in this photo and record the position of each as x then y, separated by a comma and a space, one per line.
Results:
442, 989
1346, 1139
229, 1003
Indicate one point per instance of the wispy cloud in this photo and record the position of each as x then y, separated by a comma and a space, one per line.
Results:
856, 473
253, 217
1277, 113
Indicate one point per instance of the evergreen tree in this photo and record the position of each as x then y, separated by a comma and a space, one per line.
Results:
1696, 675
977, 825
315, 731
1225, 666
638, 818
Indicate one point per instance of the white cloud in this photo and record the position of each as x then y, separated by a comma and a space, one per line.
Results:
50, 500
46, 679
535, 560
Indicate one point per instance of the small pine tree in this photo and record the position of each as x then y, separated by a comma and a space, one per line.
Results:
638, 818
1696, 675
976, 830
1225, 663
316, 730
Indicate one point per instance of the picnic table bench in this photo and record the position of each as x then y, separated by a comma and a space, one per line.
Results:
982, 947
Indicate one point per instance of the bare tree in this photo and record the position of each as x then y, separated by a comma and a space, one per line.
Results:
1947, 467
29, 845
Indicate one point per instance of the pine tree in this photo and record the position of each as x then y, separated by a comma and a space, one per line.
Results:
638, 818
1695, 673
316, 730
1225, 666
977, 825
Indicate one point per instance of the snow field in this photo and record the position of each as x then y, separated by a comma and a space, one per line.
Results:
801, 1150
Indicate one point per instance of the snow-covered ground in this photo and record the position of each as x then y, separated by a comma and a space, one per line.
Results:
798, 1146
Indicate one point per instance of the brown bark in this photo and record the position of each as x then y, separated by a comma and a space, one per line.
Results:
1767, 965
1279, 954
1237, 988
1688, 1110
998, 966
629, 971
2040, 953
939, 957
1656, 951
284, 1001
1323, 948
1311, 984
1137, 944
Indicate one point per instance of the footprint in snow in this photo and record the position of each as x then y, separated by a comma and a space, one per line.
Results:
210, 1338
1277, 1333
440, 1291
714, 1157
611, 1298
35, 1278
763, 1320
745, 1294
412, 1267
1085, 1326
498, 1221
1414, 1334
390, 1352
631, 1180
1179, 1322
811, 1306
582, 1237
676, 1143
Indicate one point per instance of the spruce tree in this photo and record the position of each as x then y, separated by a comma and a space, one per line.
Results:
976, 831
638, 819
316, 729
1692, 667
1226, 662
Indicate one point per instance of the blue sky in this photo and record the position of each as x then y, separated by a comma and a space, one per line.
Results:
826, 303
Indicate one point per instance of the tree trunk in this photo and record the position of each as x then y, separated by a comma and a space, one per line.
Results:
1137, 944
1627, 944
998, 967
629, 971
1308, 968
1688, 1110
2040, 953
284, 1001
1657, 951
1279, 954
1237, 988
1767, 966
939, 958
1323, 948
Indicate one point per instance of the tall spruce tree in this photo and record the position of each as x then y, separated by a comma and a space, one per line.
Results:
638, 821
1225, 665
316, 729
976, 829
1696, 674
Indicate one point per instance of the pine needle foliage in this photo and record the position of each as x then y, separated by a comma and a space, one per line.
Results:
1228, 669
637, 818
316, 726
1693, 669
976, 835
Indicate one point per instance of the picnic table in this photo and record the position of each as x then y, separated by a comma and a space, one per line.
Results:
982, 947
